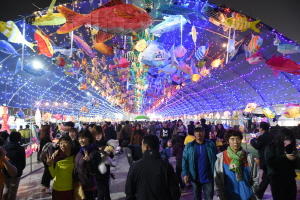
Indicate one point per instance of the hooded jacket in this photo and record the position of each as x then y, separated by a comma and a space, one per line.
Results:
16, 153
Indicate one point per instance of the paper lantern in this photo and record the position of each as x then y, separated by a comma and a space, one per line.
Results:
250, 107
291, 112
269, 111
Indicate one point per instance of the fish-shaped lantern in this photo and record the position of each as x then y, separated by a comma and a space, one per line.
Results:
283, 64
114, 17
84, 46
217, 62
44, 45
291, 111
59, 61
254, 44
171, 23
269, 111
141, 45
255, 58
103, 48
7, 48
180, 51
250, 107
201, 52
50, 19
241, 23
172, 9
29, 69
12, 32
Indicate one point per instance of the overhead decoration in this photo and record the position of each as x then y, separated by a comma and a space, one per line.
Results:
250, 107
124, 19
44, 45
29, 69
171, 23
7, 48
286, 48
283, 64
291, 111
241, 23
48, 19
13, 34
269, 111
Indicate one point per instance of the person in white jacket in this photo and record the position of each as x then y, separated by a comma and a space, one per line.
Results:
236, 173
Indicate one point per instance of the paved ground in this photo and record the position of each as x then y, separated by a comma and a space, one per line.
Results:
30, 185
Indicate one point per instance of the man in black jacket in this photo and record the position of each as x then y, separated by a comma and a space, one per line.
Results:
16, 154
260, 144
110, 132
150, 177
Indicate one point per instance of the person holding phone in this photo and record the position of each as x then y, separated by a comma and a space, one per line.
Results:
282, 159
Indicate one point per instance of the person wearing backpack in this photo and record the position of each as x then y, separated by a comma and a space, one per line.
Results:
16, 153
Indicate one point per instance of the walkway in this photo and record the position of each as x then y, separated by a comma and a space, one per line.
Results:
30, 185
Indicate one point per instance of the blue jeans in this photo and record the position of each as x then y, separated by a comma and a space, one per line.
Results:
208, 189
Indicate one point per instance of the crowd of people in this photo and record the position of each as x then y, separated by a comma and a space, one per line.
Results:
209, 159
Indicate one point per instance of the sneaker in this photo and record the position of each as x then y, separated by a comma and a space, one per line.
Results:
43, 188
48, 191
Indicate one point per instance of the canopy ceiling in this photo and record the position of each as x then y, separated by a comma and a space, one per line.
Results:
227, 87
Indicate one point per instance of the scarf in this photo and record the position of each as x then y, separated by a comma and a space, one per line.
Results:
236, 162
88, 148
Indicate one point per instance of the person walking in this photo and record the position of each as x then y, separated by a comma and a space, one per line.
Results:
150, 177
199, 157
260, 144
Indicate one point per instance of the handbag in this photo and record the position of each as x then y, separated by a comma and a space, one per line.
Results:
78, 191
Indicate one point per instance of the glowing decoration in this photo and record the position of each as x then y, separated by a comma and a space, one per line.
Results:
250, 107
204, 71
217, 62
154, 55
44, 45
47, 116
38, 117
123, 63
58, 116
269, 111
195, 77
84, 46
286, 48
115, 12
50, 19
282, 64
201, 52
7, 48
59, 61
141, 45
172, 9
194, 34
255, 58
29, 69
291, 111
241, 23
5, 117
185, 68
83, 87
103, 48
254, 44
12, 32
180, 51
226, 114
170, 23
20, 114
66, 52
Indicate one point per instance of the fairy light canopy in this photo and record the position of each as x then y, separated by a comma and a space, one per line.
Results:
176, 67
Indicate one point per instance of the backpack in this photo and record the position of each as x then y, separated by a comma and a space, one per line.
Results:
49, 149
